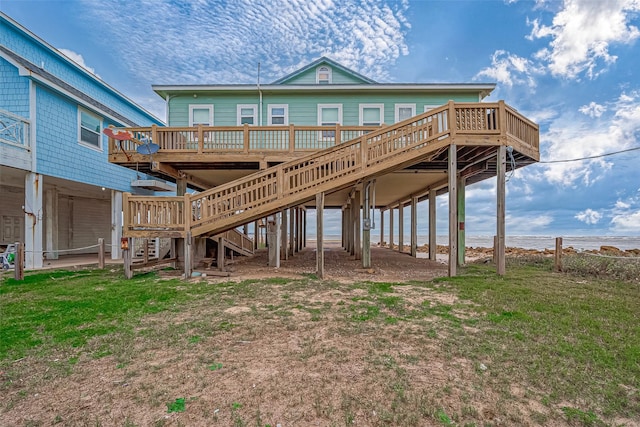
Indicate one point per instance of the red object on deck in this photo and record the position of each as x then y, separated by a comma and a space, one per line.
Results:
119, 134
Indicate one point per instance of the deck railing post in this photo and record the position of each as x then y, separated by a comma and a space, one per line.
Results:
246, 138
154, 134
126, 212
187, 214
200, 139
292, 138
502, 121
338, 138
453, 123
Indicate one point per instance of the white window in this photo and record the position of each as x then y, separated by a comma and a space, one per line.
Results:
405, 111
278, 114
201, 115
430, 107
247, 114
329, 115
89, 129
371, 114
323, 75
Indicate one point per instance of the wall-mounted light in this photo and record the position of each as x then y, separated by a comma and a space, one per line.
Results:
195, 95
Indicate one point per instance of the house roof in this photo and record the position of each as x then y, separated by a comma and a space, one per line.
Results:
483, 89
323, 60
35, 70
367, 86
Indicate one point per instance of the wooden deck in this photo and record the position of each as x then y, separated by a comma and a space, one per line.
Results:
309, 160
474, 128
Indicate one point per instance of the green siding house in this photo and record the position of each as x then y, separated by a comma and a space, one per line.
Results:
323, 92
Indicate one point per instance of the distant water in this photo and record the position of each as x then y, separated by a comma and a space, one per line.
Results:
530, 242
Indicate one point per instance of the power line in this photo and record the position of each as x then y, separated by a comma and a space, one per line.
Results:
591, 157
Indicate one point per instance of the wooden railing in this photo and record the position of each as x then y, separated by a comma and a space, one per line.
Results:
237, 240
14, 130
260, 194
240, 139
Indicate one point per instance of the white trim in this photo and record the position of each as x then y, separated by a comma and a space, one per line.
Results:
32, 126
431, 107
80, 141
431, 87
380, 108
270, 108
200, 107
325, 135
323, 106
239, 115
329, 72
399, 106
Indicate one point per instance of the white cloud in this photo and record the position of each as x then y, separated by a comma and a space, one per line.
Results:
625, 215
222, 42
78, 59
510, 69
568, 138
589, 216
593, 109
582, 34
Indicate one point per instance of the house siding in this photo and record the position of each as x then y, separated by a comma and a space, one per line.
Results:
41, 56
303, 107
14, 90
59, 153
338, 76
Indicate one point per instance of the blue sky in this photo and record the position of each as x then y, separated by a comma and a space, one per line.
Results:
572, 66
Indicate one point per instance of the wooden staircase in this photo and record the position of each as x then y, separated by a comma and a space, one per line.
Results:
390, 148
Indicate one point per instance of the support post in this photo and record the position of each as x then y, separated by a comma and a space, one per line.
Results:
558, 255
126, 255
116, 224
292, 224
320, 235
414, 227
453, 210
391, 228
304, 228
100, 253
500, 211
181, 186
273, 232
256, 234
433, 243
461, 219
284, 246
51, 220
366, 228
188, 255
342, 234
381, 227
358, 225
221, 254
18, 262
400, 227
33, 220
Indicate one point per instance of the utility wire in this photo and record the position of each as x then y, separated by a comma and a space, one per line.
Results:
591, 157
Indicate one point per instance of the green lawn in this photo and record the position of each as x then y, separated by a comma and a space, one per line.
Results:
569, 343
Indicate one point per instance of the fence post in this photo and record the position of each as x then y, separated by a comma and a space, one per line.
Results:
557, 265
100, 252
125, 245
495, 250
18, 262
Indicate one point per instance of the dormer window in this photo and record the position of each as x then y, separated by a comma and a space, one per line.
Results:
323, 75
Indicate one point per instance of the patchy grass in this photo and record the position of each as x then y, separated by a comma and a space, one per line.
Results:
530, 348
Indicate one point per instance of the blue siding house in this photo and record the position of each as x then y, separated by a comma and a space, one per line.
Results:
58, 190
